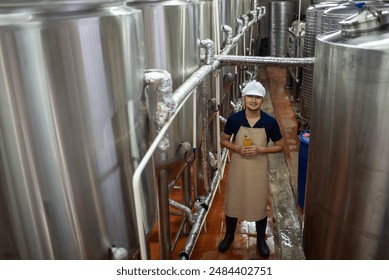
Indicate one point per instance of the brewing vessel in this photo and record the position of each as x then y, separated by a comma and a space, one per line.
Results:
281, 14
73, 128
172, 44
313, 27
346, 212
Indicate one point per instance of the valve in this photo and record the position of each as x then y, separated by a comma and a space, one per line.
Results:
360, 6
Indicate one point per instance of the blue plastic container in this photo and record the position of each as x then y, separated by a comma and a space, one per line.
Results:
302, 167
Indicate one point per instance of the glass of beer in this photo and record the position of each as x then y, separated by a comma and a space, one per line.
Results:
247, 141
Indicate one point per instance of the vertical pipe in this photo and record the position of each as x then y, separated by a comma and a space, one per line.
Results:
218, 145
217, 79
216, 36
164, 215
244, 39
251, 39
194, 116
187, 198
204, 138
216, 23
194, 145
238, 29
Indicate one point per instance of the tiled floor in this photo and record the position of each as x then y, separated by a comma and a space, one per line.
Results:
244, 245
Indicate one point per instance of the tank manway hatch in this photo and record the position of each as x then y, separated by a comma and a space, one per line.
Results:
369, 19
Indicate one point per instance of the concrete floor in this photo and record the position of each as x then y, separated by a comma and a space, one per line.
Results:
284, 219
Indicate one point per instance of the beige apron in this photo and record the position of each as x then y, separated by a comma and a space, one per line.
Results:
248, 181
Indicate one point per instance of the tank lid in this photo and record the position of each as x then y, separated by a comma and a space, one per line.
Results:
368, 19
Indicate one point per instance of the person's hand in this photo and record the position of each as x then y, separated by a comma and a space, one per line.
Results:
251, 150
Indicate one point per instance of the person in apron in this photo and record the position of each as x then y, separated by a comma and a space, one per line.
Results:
246, 134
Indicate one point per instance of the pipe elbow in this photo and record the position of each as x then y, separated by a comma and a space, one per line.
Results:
239, 25
209, 46
228, 30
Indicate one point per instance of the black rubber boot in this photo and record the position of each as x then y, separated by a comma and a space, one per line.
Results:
230, 232
261, 242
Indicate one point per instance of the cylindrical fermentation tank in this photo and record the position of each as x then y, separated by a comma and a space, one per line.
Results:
313, 27
281, 15
346, 210
172, 44
73, 127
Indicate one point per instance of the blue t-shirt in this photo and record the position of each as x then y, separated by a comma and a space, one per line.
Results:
238, 119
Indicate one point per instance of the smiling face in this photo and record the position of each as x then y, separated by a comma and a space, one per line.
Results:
253, 102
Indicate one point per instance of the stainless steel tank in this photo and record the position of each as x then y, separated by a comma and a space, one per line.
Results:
172, 44
322, 18
346, 207
313, 27
73, 128
281, 15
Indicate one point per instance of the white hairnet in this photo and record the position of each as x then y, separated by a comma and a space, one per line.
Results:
254, 88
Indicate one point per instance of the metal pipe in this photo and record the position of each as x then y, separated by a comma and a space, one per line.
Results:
164, 215
204, 133
201, 214
209, 59
245, 19
218, 145
213, 162
237, 106
239, 25
187, 195
237, 60
187, 211
209, 46
217, 81
195, 148
179, 230
253, 14
163, 83
216, 20
192, 82
230, 35
222, 119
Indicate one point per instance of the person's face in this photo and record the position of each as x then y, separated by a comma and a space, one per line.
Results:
253, 102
